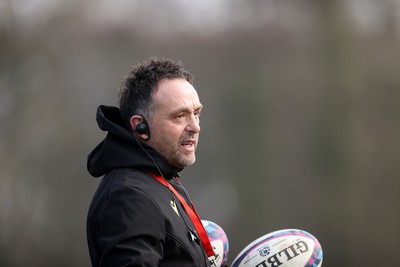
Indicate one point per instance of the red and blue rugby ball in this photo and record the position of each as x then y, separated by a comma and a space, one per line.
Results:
283, 248
219, 242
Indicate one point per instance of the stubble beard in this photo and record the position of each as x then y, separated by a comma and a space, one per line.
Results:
176, 157
182, 160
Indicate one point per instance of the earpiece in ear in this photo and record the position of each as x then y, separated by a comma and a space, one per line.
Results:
143, 128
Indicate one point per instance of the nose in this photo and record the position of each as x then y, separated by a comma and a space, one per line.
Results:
193, 124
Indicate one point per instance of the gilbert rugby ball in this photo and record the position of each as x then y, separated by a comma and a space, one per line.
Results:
219, 242
283, 248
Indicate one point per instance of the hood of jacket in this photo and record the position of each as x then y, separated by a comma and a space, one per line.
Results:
120, 149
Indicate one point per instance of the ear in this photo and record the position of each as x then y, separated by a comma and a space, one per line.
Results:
134, 121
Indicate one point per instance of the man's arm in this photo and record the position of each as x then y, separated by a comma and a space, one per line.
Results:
131, 231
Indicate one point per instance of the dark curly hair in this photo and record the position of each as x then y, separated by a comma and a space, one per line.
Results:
141, 83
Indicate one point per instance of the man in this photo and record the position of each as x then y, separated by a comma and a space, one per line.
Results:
140, 214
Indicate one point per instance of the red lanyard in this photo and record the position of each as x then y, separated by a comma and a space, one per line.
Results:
191, 211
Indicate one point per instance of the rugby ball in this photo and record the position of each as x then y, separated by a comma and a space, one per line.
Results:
283, 248
219, 242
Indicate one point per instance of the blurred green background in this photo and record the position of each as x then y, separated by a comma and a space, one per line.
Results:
301, 127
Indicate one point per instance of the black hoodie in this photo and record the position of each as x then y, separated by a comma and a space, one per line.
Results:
131, 219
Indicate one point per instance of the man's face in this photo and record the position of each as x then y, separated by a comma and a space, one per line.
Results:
175, 122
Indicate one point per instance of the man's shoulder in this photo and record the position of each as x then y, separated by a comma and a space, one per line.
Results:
131, 178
